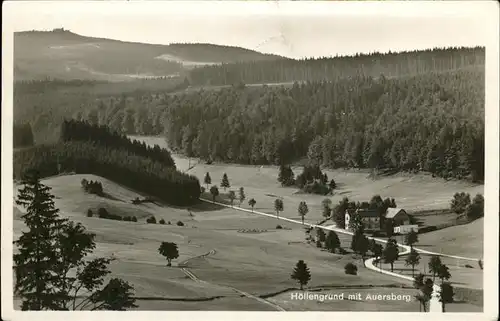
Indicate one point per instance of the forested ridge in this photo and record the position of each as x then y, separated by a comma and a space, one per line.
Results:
433, 122
73, 130
89, 149
394, 64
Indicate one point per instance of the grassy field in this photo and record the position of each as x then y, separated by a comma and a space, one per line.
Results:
463, 240
250, 254
414, 193
246, 252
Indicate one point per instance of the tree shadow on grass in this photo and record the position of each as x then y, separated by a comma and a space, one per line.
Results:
111, 197
205, 207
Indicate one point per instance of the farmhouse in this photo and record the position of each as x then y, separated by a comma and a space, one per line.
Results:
398, 216
370, 218
400, 220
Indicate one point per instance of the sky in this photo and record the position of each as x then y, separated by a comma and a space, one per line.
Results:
290, 29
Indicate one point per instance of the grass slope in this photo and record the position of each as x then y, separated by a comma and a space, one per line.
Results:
414, 193
257, 263
249, 254
463, 240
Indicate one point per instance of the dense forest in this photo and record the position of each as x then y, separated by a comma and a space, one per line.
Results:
73, 130
23, 135
318, 69
433, 121
45, 104
148, 170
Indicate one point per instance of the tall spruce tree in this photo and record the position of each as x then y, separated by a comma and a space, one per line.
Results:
225, 182
38, 255
51, 251
207, 180
301, 274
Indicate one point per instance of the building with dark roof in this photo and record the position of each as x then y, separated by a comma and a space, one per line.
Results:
369, 218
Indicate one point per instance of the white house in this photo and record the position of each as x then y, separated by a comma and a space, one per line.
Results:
405, 229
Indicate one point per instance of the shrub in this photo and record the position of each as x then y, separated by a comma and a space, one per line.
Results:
102, 212
341, 250
115, 217
202, 189
480, 262
279, 227
169, 223
179, 223
351, 269
126, 218
92, 187
134, 219
318, 244
316, 188
89, 213
162, 221
151, 220
469, 266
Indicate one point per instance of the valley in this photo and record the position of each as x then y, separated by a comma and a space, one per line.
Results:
230, 155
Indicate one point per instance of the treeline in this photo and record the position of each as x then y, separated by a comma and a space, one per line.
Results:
74, 130
23, 135
121, 166
431, 122
375, 64
39, 86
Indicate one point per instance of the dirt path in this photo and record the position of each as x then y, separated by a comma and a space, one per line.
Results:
193, 277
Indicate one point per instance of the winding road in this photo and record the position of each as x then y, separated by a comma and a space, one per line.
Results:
434, 305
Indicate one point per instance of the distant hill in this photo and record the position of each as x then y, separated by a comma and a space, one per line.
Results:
391, 64
65, 55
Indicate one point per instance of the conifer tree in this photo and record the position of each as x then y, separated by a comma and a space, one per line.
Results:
278, 206
252, 203
241, 195
52, 248
208, 179
301, 274
303, 210
332, 241
38, 253
225, 182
